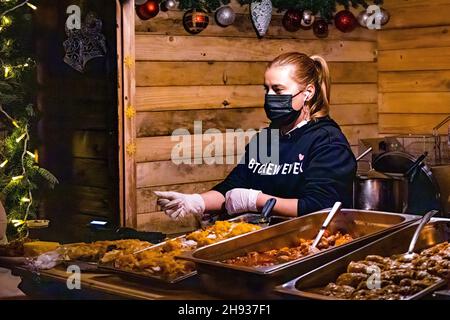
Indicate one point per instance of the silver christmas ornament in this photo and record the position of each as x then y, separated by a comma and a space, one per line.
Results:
362, 18
169, 5
307, 19
139, 2
225, 16
261, 13
383, 16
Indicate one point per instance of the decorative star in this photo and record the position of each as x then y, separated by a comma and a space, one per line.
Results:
128, 61
130, 112
131, 148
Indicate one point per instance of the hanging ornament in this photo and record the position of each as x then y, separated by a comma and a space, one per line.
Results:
292, 20
148, 10
225, 16
362, 18
320, 28
168, 5
261, 13
307, 19
383, 16
345, 21
195, 21
139, 2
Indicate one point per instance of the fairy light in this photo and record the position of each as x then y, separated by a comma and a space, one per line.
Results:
32, 6
6, 21
21, 137
17, 222
7, 71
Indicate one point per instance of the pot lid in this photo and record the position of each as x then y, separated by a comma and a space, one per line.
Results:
423, 194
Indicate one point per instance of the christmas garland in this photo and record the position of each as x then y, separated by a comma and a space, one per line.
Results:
325, 8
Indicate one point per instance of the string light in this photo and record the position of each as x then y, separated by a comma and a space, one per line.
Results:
17, 222
32, 6
7, 71
6, 21
25, 199
21, 137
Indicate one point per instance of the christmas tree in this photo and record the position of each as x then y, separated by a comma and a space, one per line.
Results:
21, 178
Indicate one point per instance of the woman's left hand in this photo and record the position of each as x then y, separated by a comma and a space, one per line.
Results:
241, 200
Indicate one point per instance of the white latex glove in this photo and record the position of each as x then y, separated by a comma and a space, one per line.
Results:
241, 200
178, 205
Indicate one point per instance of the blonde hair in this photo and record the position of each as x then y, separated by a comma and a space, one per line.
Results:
309, 70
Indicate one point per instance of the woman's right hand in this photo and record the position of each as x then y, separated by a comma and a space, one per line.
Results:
178, 205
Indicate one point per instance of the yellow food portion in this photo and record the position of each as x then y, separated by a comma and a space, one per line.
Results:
105, 251
161, 260
35, 248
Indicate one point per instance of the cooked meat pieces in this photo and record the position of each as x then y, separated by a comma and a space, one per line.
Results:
298, 250
398, 278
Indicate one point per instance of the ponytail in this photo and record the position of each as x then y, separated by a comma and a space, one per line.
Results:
320, 105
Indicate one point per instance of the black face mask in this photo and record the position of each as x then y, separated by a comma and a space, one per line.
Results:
279, 109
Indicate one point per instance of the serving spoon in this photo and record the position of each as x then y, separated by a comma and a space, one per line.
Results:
409, 256
335, 209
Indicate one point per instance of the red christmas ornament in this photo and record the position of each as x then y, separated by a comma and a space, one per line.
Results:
148, 10
345, 21
320, 28
292, 20
195, 21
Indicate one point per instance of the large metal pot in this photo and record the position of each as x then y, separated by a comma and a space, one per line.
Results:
382, 192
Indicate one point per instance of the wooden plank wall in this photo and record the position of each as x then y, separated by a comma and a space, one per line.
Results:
216, 77
77, 129
414, 67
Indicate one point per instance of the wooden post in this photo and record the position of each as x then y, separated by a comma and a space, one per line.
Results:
127, 130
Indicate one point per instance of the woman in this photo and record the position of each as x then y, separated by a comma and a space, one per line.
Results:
316, 165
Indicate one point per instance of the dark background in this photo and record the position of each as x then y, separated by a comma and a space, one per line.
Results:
78, 125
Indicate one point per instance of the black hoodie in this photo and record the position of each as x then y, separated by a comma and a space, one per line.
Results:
316, 165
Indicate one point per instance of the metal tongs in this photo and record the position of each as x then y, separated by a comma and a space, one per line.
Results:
408, 256
335, 209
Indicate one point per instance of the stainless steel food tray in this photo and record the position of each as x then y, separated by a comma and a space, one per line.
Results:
363, 225
303, 287
252, 218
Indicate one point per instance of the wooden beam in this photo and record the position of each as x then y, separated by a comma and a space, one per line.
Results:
202, 73
161, 173
412, 38
129, 88
249, 118
182, 48
414, 59
218, 97
411, 123
417, 13
414, 81
415, 102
